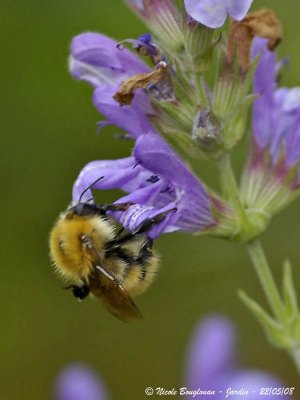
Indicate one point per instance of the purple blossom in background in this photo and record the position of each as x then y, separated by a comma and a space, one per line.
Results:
210, 366
78, 382
276, 112
213, 13
156, 180
98, 60
211, 362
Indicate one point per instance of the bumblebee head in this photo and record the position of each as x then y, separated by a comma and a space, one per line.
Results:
84, 209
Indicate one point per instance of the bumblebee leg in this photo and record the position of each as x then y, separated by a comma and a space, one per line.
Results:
143, 228
150, 222
145, 252
115, 207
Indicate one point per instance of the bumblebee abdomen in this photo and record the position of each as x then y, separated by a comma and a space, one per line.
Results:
139, 275
134, 265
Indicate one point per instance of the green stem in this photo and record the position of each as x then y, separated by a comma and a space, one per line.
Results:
255, 250
230, 187
265, 276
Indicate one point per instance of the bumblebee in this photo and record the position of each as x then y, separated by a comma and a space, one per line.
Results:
89, 253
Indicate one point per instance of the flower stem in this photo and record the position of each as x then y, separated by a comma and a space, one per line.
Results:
256, 253
255, 250
230, 187
266, 279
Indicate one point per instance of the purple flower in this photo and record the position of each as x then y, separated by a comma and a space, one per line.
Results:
272, 173
98, 60
213, 13
211, 362
156, 180
276, 112
78, 382
131, 119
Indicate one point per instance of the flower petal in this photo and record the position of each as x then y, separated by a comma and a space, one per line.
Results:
77, 382
238, 9
192, 200
97, 59
115, 173
288, 98
130, 118
156, 181
264, 85
276, 111
253, 382
211, 13
137, 214
211, 353
293, 142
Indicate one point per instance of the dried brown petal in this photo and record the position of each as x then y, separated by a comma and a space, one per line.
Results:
125, 94
262, 23
265, 24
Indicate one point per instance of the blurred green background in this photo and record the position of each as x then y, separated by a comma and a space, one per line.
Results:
48, 132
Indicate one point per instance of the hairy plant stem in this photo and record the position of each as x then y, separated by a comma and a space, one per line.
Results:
255, 251
268, 284
230, 187
266, 279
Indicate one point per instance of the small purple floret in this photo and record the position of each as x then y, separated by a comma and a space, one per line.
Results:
174, 188
99, 61
276, 111
78, 382
213, 13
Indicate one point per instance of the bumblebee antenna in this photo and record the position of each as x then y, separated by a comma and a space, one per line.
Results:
89, 187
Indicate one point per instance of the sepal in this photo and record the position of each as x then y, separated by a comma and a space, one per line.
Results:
199, 45
164, 20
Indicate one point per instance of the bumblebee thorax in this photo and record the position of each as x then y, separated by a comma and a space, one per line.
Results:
68, 243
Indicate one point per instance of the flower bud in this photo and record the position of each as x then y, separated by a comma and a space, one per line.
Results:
207, 131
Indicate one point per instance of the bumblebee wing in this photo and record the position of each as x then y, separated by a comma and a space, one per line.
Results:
104, 285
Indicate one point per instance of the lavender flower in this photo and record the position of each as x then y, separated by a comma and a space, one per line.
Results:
78, 382
211, 362
276, 111
99, 61
213, 13
272, 174
156, 180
